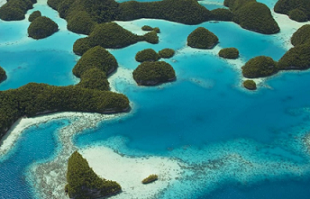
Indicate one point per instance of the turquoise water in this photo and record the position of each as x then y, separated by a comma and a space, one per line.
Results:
36, 144
27, 60
204, 118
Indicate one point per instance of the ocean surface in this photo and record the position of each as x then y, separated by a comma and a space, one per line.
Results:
203, 118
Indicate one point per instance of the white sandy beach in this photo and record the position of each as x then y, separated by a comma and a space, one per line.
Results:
129, 172
2, 2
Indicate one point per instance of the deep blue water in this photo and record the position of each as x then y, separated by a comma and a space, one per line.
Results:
195, 119
267, 190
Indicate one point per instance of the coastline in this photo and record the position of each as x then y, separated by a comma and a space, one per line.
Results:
48, 178
287, 28
129, 172
163, 166
11, 137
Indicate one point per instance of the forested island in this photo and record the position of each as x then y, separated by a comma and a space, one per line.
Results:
154, 73
147, 55
151, 178
34, 15
252, 15
111, 35
166, 53
260, 66
151, 55
249, 84
202, 38
83, 16
296, 58
229, 53
94, 18
149, 28
298, 10
41, 27
2, 75
90, 95
83, 182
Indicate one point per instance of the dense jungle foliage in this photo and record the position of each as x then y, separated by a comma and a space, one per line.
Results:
252, 15
166, 53
2, 74
15, 9
153, 73
147, 55
202, 38
229, 53
249, 84
260, 66
84, 183
111, 35
34, 15
298, 10
42, 27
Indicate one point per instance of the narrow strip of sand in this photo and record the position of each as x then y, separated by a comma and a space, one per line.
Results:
129, 172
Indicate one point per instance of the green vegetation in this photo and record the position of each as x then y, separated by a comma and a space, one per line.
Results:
150, 178
96, 57
35, 99
182, 11
301, 36
234, 5
202, 38
151, 37
252, 15
110, 35
80, 22
221, 14
298, 10
166, 53
90, 95
15, 9
80, 46
261, 66
150, 55
297, 58
34, 15
147, 55
149, 28
257, 17
94, 79
153, 73
2, 75
298, 15
229, 53
249, 84
83, 182
42, 27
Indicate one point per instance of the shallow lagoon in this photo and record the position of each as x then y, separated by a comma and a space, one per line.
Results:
204, 116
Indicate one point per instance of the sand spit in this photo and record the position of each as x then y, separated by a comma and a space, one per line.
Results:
123, 75
129, 172
49, 178
11, 137
287, 29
